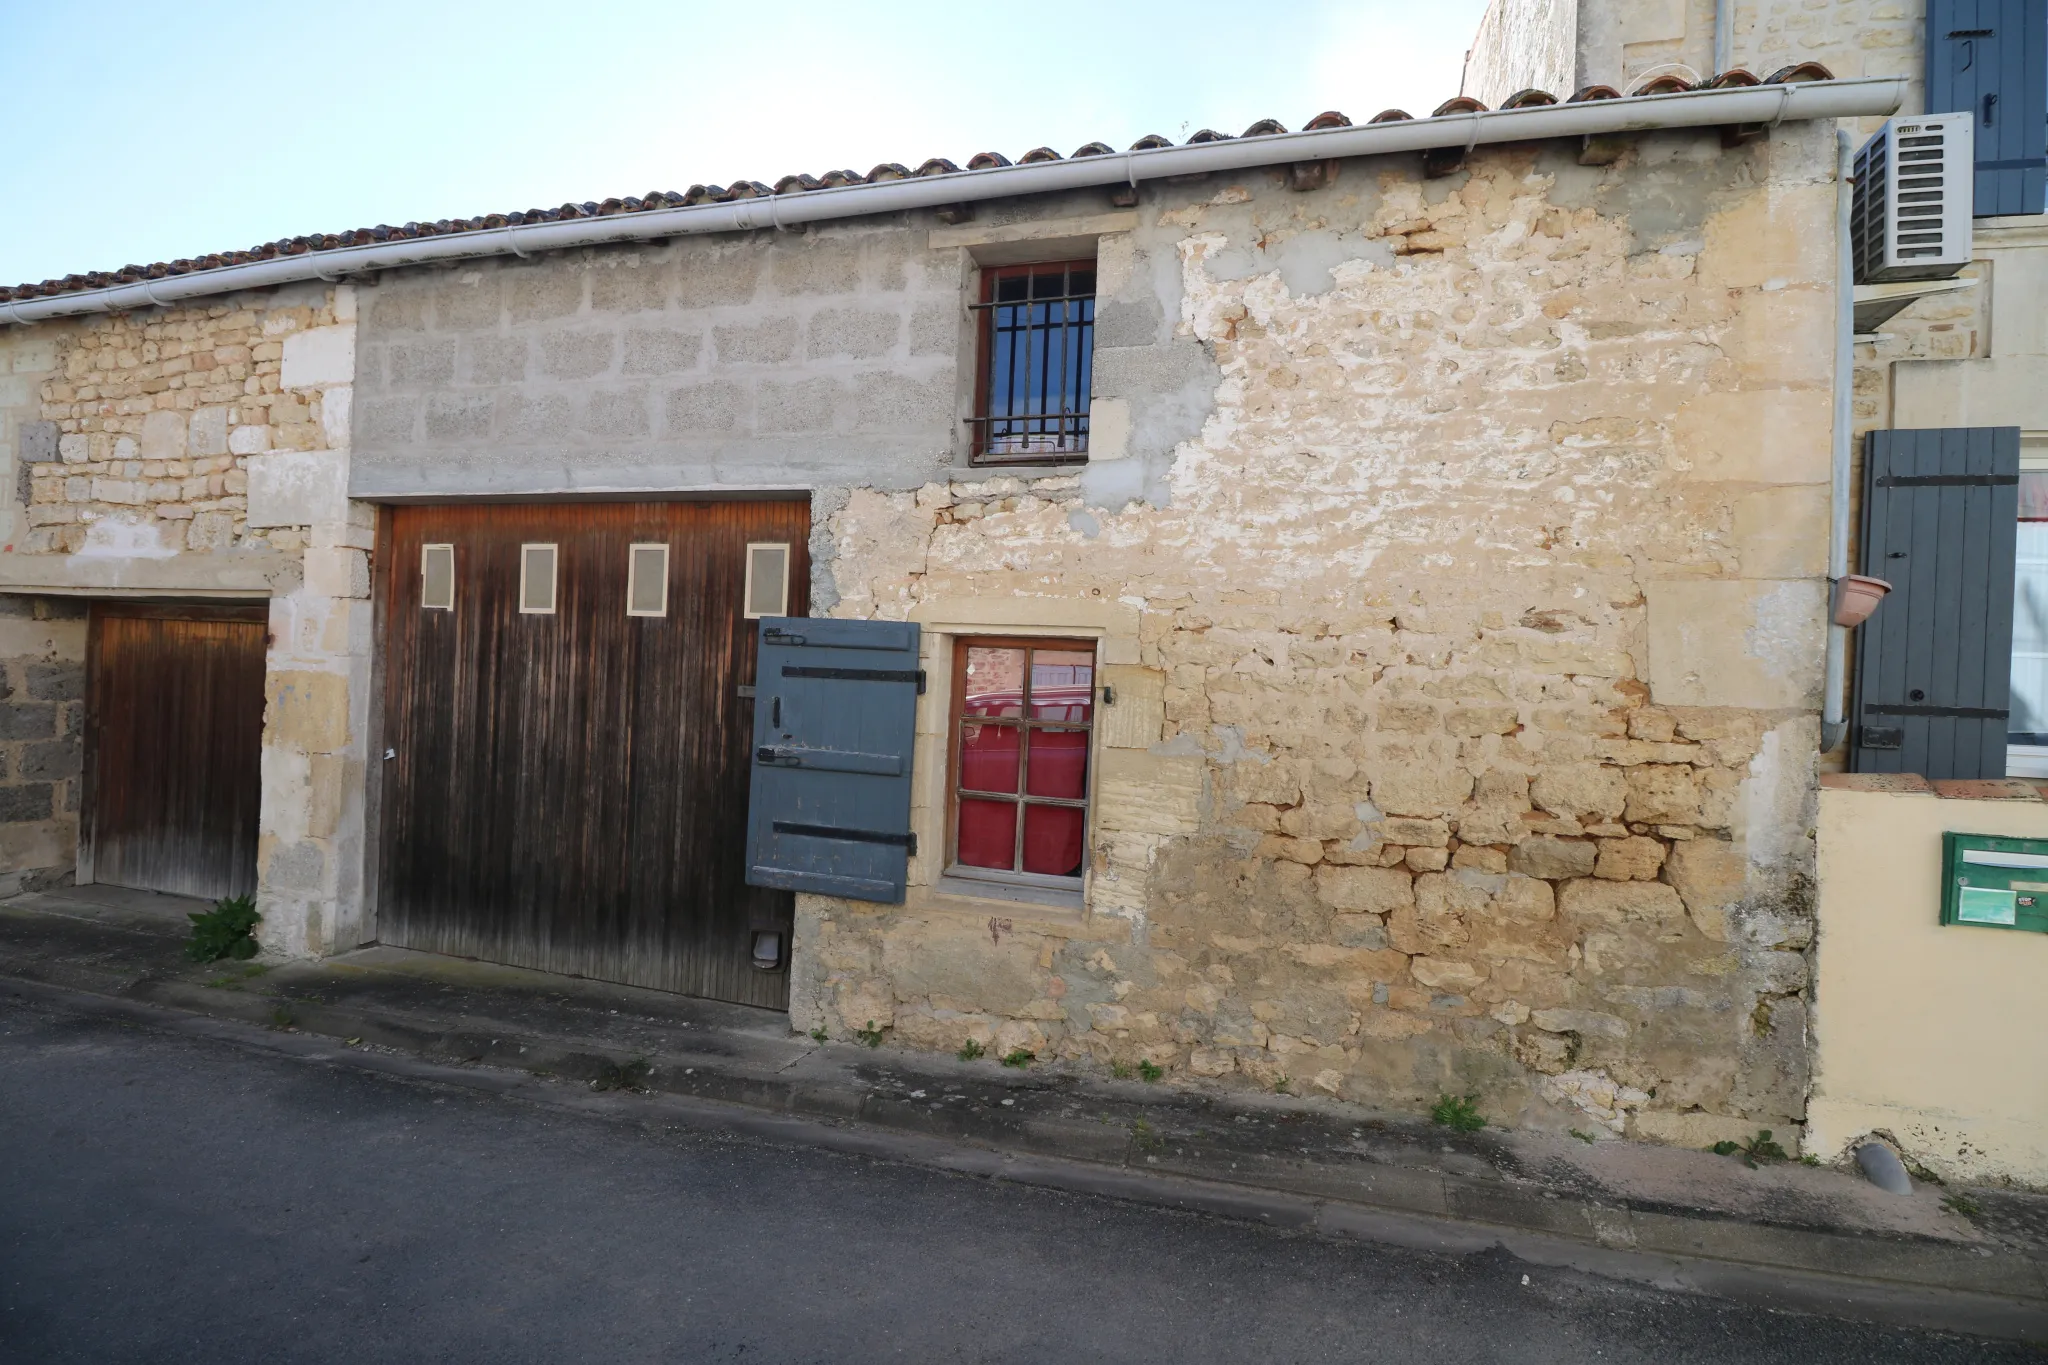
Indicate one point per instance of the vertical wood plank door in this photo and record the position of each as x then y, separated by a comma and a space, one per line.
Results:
174, 735
567, 789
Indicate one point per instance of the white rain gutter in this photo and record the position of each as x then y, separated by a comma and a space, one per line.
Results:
1861, 98
1833, 701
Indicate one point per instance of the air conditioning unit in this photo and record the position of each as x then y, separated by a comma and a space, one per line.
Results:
1911, 215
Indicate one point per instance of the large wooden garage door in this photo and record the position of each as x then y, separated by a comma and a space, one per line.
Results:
567, 789
174, 735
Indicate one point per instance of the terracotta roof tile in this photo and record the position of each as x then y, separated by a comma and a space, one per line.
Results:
804, 183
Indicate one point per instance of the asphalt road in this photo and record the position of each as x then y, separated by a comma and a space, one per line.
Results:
166, 1198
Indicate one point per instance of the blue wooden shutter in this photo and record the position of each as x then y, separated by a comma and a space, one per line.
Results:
1934, 662
835, 720
1991, 58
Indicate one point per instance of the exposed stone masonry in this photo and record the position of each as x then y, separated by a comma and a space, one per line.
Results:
157, 416
1460, 781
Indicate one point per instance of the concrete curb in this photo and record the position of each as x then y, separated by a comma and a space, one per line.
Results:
1898, 1282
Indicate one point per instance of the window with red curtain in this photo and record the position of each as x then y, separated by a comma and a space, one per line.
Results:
1023, 711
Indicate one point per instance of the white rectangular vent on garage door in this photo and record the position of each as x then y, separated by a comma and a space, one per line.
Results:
437, 577
1910, 218
647, 580
767, 580
537, 580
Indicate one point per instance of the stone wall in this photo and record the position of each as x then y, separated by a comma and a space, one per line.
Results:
150, 423
42, 739
203, 451
1520, 45
1471, 626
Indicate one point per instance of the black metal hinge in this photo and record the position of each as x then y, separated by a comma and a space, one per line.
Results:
1946, 480
1950, 712
901, 675
852, 836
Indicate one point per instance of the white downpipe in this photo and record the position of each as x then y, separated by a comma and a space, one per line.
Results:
1834, 704
1859, 98
1724, 35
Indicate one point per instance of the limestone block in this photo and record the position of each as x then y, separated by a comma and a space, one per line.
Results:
1544, 1052
864, 1005
210, 531
1768, 435
1399, 829
1270, 782
298, 488
336, 406
1019, 1035
1694, 622
1428, 859
307, 710
1783, 336
1762, 238
249, 440
1701, 1131
1580, 1021
1524, 899
1783, 532
1616, 902
1663, 794
1447, 974
319, 357
1579, 791
1138, 717
1553, 859
1710, 875
337, 572
208, 432
1632, 859
1367, 891
1146, 793
1420, 789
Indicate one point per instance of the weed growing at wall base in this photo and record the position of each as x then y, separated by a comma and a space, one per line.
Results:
227, 930
1459, 1112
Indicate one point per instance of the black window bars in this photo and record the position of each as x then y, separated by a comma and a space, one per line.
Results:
1037, 362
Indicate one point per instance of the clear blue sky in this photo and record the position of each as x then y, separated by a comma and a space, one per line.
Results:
140, 131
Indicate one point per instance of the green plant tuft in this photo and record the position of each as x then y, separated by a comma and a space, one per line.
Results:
1963, 1206
1150, 1071
226, 931
1753, 1150
972, 1051
1457, 1112
818, 1034
1280, 1086
1020, 1058
1583, 1137
870, 1035
1120, 1070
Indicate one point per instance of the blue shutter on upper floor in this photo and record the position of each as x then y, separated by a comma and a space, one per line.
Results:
835, 722
1934, 661
1990, 57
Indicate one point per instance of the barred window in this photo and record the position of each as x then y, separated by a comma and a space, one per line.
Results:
1037, 362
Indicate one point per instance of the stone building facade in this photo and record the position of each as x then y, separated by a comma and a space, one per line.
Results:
1451, 537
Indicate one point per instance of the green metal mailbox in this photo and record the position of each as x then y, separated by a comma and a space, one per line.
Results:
1993, 882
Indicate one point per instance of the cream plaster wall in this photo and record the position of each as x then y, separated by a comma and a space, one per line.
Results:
1924, 1032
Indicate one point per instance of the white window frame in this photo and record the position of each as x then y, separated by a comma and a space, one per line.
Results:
747, 590
426, 553
2028, 760
554, 550
633, 577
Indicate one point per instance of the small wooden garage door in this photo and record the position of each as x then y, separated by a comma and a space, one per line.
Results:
567, 790
174, 735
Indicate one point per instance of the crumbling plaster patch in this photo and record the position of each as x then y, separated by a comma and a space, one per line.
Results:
1400, 602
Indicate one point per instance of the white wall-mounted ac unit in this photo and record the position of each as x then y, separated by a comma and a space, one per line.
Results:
1911, 214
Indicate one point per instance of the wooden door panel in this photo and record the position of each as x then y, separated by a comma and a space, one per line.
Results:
568, 791
174, 724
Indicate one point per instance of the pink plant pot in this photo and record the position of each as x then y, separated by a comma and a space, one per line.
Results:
1856, 596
